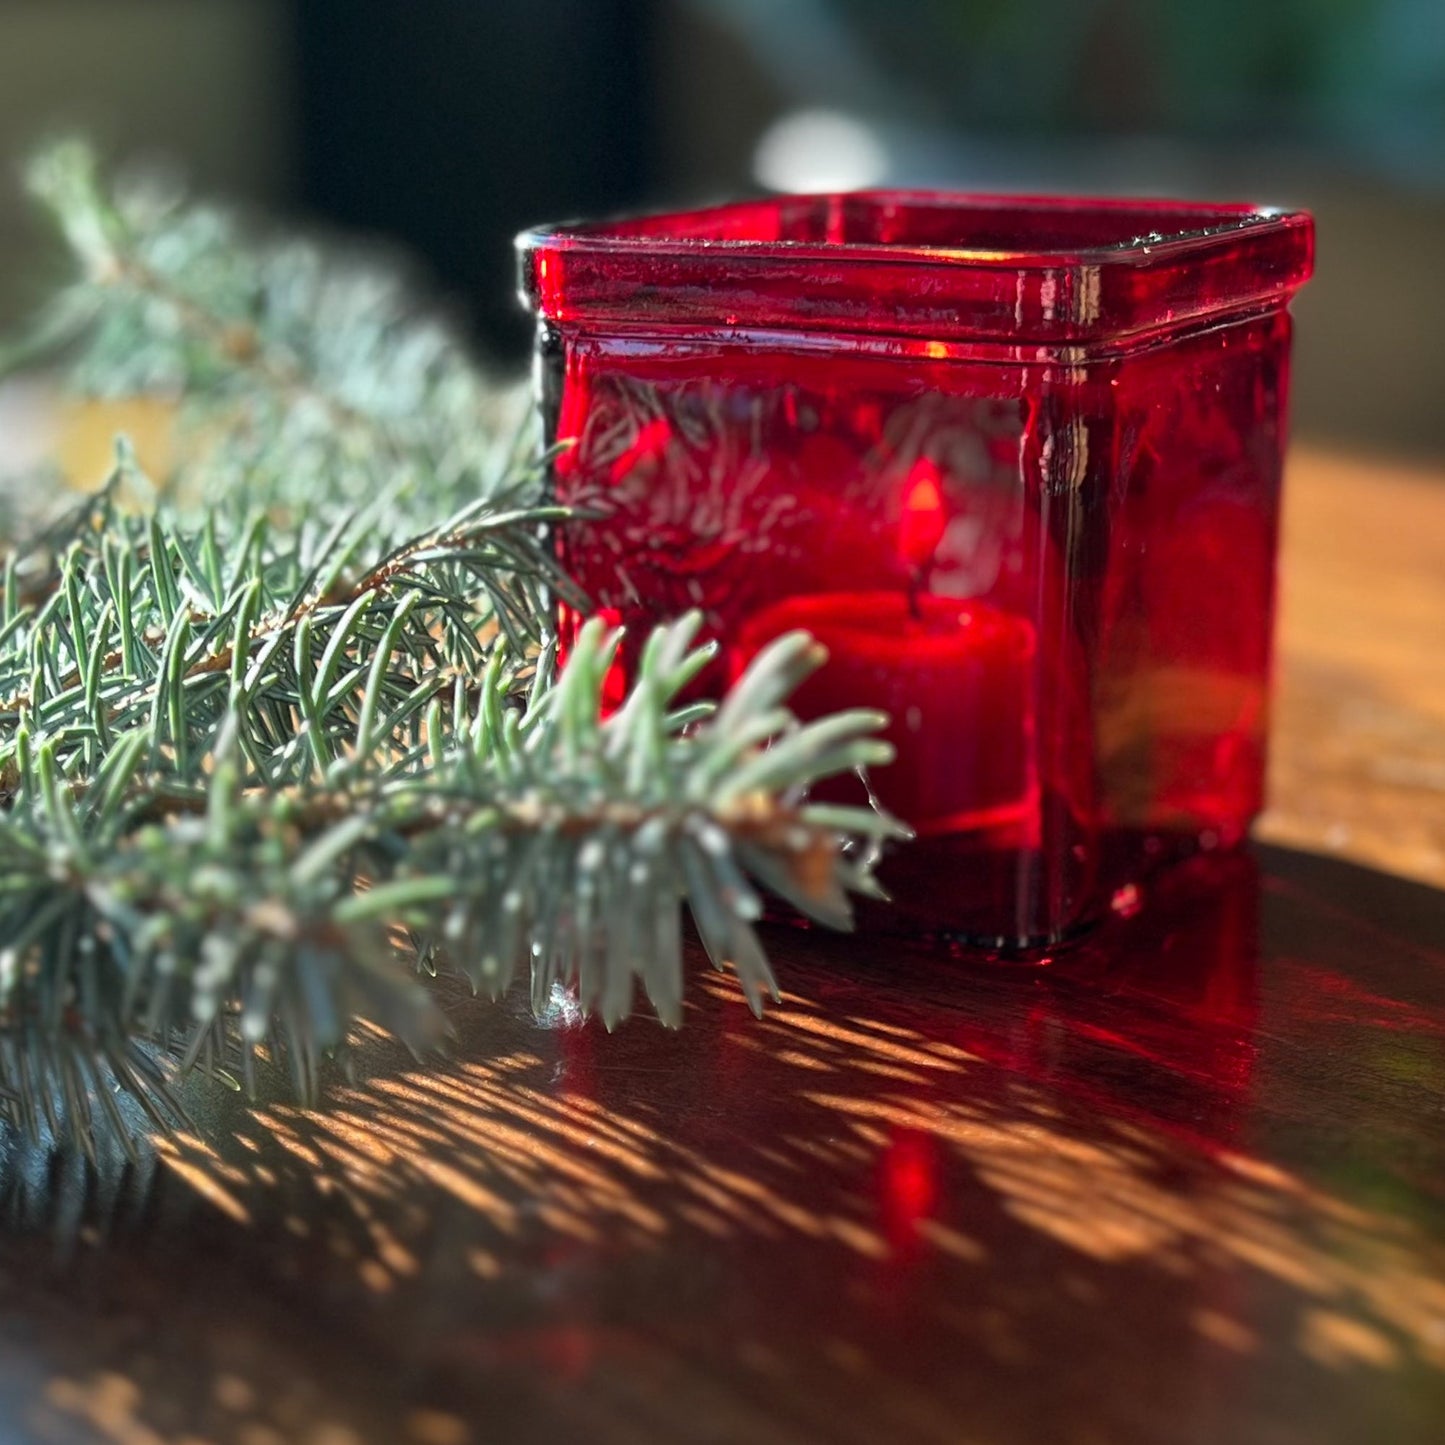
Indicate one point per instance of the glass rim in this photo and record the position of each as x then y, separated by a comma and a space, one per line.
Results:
1208, 223
1097, 273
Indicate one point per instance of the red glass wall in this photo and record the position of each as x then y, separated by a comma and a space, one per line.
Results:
1016, 464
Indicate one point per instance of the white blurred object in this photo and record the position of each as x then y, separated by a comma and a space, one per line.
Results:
29, 425
820, 150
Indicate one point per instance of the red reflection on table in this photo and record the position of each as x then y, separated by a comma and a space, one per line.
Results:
909, 1185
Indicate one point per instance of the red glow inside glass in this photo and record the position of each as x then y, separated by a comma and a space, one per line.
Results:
1016, 463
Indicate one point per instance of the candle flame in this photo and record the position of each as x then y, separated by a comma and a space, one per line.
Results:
923, 513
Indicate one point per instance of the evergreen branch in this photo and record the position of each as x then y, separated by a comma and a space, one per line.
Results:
145, 620
490, 558
242, 746
242, 920
308, 377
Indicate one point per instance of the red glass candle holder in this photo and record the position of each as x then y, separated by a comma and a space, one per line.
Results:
1015, 462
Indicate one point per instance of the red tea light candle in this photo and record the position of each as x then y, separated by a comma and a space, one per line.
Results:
953, 676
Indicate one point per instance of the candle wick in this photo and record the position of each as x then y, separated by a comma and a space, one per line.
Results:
915, 587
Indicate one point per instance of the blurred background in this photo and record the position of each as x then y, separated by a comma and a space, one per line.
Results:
447, 125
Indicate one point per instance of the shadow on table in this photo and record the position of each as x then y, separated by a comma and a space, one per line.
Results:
1192, 1175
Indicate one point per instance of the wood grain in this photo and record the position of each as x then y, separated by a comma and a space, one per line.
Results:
1358, 752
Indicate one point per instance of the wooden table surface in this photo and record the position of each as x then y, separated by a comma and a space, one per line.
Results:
1188, 1188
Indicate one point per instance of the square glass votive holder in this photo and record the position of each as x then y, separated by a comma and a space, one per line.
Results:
1016, 463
